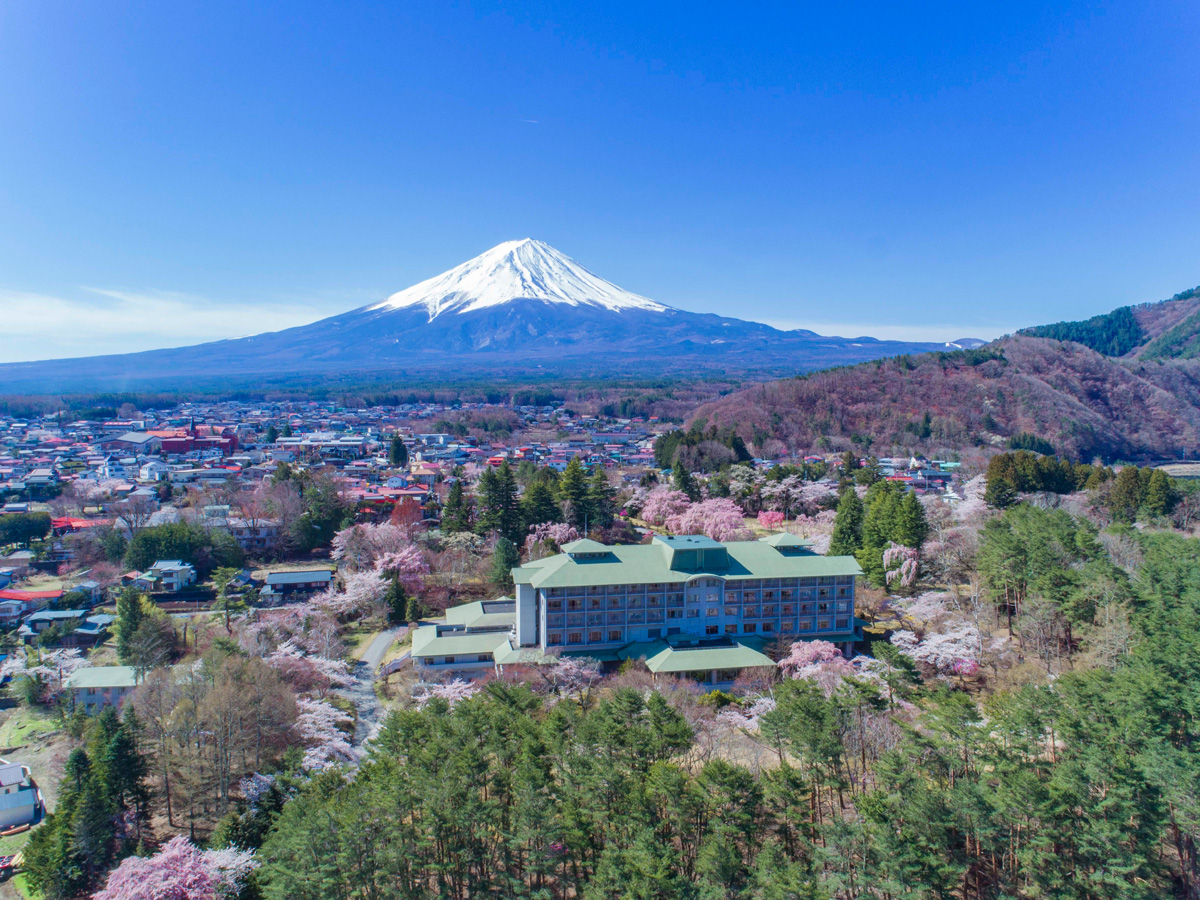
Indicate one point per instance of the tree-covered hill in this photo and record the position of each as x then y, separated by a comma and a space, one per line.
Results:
1084, 404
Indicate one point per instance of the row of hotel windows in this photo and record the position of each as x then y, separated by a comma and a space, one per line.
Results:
640, 617
617, 635
656, 601
746, 584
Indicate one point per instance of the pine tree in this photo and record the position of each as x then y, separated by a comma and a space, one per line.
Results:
456, 514
999, 493
538, 505
911, 526
504, 559
601, 500
572, 492
498, 511
1160, 495
847, 526
129, 617
398, 452
1126, 496
272, 433
683, 481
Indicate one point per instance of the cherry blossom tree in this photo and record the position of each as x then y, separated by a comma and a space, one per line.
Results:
770, 519
408, 564
362, 592
664, 503
942, 650
901, 565
720, 519
548, 537
746, 718
817, 661
308, 672
452, 692
568, 675
361, 547
318, 726
180, 871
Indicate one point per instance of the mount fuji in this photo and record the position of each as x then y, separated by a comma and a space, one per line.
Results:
519, 309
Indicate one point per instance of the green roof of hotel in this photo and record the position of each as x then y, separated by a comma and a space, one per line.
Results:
651, 564
426, 642
103, 677
663, 658
483, 614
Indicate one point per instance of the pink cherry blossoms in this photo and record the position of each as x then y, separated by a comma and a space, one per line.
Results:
817, 661
550, 535
179, 871
452, 692
747, 719
308, 671
720, 519
770, 519
901, 565
662, 504
318, 726
942, 651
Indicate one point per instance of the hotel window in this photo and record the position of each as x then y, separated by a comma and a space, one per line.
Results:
822, 624
596, 603
789, 609
806, 609
554, 605
768, 626
731, 610
731, 629
654, 600
841, 592
673, 614
822, 607
574, 604
752, 612
574, 637
616, 602
770, 611
712, 612
843, 623
710, 629
595, 637
484, 657
749, 628
449, 660
614, 635
693, 613
554, 637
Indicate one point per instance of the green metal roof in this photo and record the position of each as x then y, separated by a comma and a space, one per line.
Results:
102, 677
663, 658
427, 642
483, 614
650, 564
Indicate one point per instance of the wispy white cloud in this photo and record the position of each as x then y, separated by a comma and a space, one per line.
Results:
39, 326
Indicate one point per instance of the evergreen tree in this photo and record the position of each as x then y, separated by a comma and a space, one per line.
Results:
1160, 496
504, 559
682, 479
911, 526
498, 510
272, 433
456, 514
1125, 498
601, 500
397, 602
869, 472
397, 453
538, 505
847, 526
999, 493
129, 617
573, 492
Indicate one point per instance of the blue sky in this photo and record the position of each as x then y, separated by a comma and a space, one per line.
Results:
174, 171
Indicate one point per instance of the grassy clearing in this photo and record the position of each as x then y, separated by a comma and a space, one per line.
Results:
25, 725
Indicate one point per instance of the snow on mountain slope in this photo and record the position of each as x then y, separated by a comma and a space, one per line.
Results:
515, 270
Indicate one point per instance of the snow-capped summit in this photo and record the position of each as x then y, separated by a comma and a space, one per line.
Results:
516, 270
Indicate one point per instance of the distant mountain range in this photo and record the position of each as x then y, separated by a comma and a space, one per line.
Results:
522, 308
1121, 386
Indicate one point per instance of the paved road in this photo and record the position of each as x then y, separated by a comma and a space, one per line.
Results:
362, 692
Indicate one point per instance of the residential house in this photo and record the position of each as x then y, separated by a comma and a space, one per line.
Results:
294, 585
20, 802
166, 576
96, 688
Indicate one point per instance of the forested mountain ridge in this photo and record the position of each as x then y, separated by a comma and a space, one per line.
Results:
1168, 329
1084, 403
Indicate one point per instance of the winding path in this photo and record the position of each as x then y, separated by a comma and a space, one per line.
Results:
362, 692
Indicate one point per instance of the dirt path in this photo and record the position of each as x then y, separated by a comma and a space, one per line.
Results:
362, 692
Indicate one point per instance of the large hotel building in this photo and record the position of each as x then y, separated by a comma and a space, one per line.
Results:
686, 605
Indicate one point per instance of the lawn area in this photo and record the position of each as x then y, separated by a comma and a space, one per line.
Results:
25, 725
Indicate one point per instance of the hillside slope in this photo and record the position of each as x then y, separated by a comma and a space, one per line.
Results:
1086, 404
